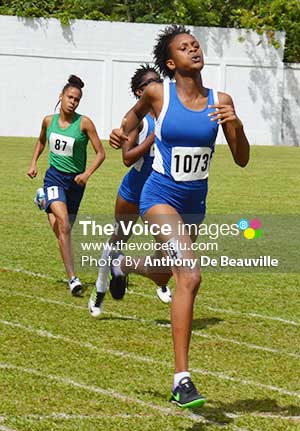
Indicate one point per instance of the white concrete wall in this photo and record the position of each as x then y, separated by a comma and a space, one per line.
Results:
291, 105
37, 56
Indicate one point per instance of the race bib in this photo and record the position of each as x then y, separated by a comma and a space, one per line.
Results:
52, 193
60, 144
190, 163
152, 150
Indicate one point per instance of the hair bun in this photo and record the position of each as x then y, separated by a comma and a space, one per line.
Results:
75, 81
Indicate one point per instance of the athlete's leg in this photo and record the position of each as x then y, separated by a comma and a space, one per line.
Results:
186, 271
187, 279
126, 212
187, 276
53, 223
59, 221
160, 275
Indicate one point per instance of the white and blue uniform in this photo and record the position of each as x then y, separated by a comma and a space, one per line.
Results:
184, 144
133, 182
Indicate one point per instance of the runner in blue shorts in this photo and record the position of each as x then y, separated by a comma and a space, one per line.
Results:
187, 118
139, 153
67, 134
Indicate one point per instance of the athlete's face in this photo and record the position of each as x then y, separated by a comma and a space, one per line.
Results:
147, 79
70, 99
185, 54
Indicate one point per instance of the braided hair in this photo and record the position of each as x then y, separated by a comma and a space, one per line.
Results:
138, 76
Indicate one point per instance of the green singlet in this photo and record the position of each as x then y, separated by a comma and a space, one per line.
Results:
67, 146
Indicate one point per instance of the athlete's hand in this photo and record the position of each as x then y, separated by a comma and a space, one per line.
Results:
81, 179
151, 138
225, 114
32, 171
118, 136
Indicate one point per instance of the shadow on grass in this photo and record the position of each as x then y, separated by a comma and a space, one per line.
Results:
197, 323
110, 318
85, 284
267, 405
220, 414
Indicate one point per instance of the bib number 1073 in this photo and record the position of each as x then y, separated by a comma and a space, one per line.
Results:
190, 163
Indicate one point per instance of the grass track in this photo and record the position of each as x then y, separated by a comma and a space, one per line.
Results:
61, 370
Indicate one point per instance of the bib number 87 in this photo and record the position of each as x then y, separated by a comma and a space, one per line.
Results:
61, 144
58, 142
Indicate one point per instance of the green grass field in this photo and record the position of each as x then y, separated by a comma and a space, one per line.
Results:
62, 370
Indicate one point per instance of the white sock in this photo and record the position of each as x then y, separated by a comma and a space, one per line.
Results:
102, 280
117, 268
179, 376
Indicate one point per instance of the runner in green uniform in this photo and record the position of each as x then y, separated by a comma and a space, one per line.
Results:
67, 134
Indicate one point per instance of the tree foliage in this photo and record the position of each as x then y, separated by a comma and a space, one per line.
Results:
260, 15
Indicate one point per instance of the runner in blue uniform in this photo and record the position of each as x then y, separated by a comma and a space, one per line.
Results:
187, 118
139, 153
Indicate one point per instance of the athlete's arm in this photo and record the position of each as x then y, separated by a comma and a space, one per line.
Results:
131, 151
88, 127
152, 99
39, 147
233, 129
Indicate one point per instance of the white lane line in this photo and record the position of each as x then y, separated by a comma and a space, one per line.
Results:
265, 415
162, 325
235, 428
32, 274
247, 382
195, 416
229, 311
106, 392
146, 359
255, 315
238, 343
113, 394
132, 292
5, 428
71, 417
247, 345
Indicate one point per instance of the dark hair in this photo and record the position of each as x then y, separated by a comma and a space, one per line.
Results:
73, 81
161, 50
138, 76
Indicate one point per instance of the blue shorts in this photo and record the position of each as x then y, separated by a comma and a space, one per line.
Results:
190, 203
60, 186
131, 187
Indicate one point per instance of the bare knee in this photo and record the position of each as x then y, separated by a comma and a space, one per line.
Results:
189, 280
63, 226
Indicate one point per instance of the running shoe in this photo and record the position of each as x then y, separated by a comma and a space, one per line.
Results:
118, 283
40, 199
185, 395
95, 303
164, 294
75, 286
